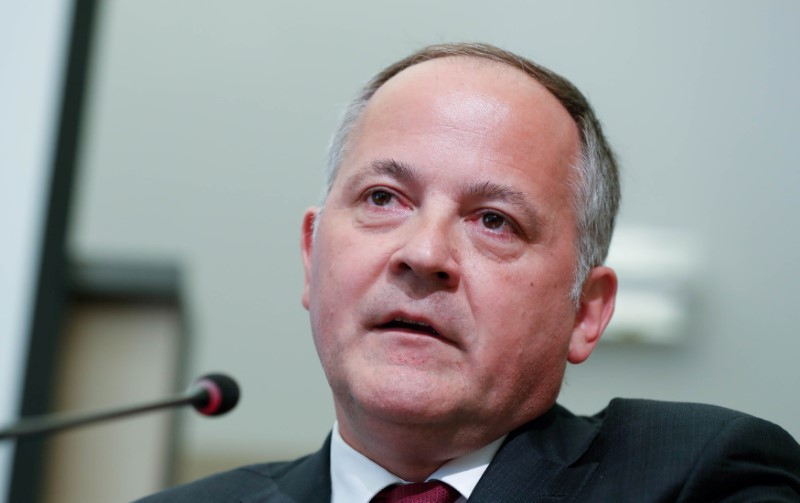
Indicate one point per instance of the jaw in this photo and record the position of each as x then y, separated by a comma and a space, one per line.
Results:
409, 419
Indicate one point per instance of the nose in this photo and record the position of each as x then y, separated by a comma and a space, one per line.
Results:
428, 253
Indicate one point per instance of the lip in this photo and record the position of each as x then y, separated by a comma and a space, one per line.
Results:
412, 318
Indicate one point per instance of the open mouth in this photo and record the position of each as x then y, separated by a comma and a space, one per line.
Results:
409, 325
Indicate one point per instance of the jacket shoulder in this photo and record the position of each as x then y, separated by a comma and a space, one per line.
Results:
641, 410
681, 429
225, 486
304, 479
693, 452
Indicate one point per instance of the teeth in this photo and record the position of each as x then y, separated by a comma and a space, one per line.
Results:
411, 322
415, 323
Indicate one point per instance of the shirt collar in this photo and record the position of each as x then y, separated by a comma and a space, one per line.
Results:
356, 478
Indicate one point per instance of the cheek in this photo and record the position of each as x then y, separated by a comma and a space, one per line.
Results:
345, 266
337, 256
521, 308
525, 349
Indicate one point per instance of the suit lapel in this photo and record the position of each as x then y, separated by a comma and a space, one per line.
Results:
538, 462
309, 481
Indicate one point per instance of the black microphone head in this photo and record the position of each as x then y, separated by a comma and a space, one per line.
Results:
218, 394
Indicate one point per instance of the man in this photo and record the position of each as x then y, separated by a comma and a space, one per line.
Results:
453, 270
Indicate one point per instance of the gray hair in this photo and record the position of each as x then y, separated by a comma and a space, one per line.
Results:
594, 179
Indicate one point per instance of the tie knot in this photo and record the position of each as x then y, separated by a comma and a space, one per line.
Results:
433, 491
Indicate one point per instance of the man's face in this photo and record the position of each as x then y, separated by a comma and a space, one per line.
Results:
438, 280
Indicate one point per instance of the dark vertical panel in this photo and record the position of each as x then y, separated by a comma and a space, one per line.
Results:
52, 287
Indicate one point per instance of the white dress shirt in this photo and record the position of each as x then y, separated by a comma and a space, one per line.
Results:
356, 479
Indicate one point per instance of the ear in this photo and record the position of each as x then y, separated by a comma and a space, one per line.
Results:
594, 312
306, 244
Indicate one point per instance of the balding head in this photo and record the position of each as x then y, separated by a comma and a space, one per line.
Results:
594, 178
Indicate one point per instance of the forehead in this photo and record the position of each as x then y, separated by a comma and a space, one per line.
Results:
477, 103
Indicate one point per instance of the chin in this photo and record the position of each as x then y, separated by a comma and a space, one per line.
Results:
406, 397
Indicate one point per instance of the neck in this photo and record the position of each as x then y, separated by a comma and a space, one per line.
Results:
410, 451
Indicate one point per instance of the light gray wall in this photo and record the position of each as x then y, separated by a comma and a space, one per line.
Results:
206, 139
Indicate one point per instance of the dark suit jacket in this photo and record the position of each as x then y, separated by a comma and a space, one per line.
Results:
633, 451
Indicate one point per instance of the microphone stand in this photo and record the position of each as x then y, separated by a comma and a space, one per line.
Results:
42, 425
211, 395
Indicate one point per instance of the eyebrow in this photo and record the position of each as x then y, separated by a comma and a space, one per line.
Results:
397, 170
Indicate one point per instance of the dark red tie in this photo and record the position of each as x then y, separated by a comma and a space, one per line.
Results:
434, 491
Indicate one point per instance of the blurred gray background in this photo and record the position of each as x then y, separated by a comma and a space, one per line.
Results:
205, 140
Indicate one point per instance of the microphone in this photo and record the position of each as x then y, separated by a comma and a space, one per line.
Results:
210, 395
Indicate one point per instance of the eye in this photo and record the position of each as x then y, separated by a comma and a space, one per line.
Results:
380, 197
497, 224
493, 221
